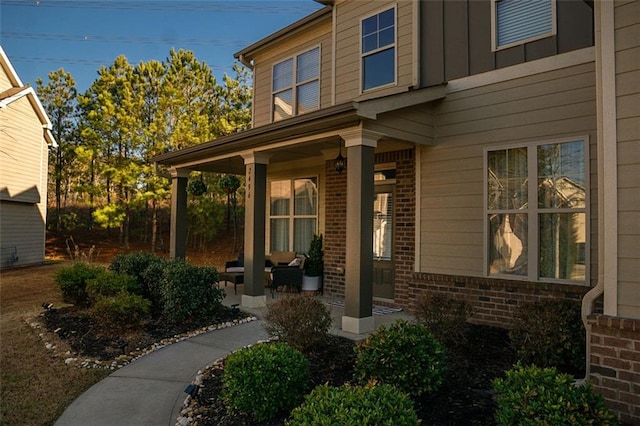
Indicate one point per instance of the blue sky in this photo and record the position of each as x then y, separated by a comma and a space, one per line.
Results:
40, 36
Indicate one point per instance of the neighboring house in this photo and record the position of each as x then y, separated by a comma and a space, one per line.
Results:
501, 159
25, 139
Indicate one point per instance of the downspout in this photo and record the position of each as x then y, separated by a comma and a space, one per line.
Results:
588, 301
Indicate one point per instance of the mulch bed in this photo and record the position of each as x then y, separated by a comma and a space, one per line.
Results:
466, 398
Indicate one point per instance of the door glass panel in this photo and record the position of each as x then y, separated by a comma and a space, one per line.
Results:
382, 226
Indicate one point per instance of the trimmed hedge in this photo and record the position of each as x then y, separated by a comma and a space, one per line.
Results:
73, 282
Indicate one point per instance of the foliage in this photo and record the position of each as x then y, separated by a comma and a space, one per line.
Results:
121, 311
109, 216
69, 221
189, 292
349, 405
303, 322
445, 318
264, 380
73, 282
196, 188
314, 264
229, 183
550, 333
109, 283
405, 355
147, 268
533, 396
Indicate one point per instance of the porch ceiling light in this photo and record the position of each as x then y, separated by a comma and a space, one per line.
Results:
340, 161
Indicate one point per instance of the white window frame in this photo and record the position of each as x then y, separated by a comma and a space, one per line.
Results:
387, 47
533, 212
291, 216
294, 84
494, 28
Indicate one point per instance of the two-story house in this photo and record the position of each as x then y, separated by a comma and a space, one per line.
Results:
491, 154
25, 139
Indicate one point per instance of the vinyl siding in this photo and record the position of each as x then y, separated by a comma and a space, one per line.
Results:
23, 177
542, 107
348, 70
627, 31
318, 35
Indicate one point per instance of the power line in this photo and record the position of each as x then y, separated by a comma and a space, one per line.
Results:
123, 39
84, 62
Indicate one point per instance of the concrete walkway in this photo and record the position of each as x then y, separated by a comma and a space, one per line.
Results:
150, 390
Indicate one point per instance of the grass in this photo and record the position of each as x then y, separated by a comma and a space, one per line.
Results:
35, 386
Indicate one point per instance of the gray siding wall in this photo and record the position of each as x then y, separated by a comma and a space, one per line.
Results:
455, 39
627, 34
542, 107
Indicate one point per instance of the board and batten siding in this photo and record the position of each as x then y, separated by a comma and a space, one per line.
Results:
348, 69
627, 31
23, 177
543, 107
317, 35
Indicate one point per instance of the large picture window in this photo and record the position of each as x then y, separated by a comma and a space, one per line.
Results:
520, 21
536, 211
379, 50
293, 214
296, 85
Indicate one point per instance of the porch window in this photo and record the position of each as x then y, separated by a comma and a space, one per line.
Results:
536, 211
293, 214
516, 22
296, 85
378, 50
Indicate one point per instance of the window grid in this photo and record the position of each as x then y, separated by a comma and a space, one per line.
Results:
378, 50
288, 219
296, 85
531, 217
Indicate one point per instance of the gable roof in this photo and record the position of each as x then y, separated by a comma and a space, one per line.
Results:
18, 91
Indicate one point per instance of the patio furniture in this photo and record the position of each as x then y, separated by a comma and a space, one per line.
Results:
232, 277
288, 276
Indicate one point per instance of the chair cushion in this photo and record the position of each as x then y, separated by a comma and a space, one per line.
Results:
235, 269
282, 257
295, 262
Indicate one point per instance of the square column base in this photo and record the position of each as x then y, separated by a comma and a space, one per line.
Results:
253, 302
358, 325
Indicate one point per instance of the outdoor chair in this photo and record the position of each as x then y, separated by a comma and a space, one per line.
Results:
289, 276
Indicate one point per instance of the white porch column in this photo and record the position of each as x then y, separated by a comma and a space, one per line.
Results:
358, 314
254, 230
178, 230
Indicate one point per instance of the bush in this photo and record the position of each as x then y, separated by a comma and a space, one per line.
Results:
302, 322
405, 355
73, 282
347, 405
147, 268
264, 380
445, 318
550, 333
533, 396
122, 311
189, 292
108, 283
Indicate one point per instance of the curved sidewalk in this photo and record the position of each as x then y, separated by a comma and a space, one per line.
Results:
150, 390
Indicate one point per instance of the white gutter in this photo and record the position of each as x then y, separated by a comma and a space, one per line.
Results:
243, 60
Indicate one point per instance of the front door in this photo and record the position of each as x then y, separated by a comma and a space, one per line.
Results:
383, 276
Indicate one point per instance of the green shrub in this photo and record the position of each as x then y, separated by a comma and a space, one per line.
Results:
347, 405
542, 396
445, 318
302, 322
108, 283
120, 312
190, 292
550, 333
73, 282
405, 355
264, 380
147, 268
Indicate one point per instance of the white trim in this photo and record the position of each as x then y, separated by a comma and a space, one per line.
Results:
494, 32
556, 62
10, 70
607, 155
394, 47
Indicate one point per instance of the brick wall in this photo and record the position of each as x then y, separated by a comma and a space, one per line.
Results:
494, 300
615, 364
404, 224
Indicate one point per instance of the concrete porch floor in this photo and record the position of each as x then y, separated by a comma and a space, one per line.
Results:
336, 311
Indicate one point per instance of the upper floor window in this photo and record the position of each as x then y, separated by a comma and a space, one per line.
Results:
296, 85
536, 211
519, 21
379, 50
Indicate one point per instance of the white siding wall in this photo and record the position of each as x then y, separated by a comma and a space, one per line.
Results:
542, 107
627, 34
23, 177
